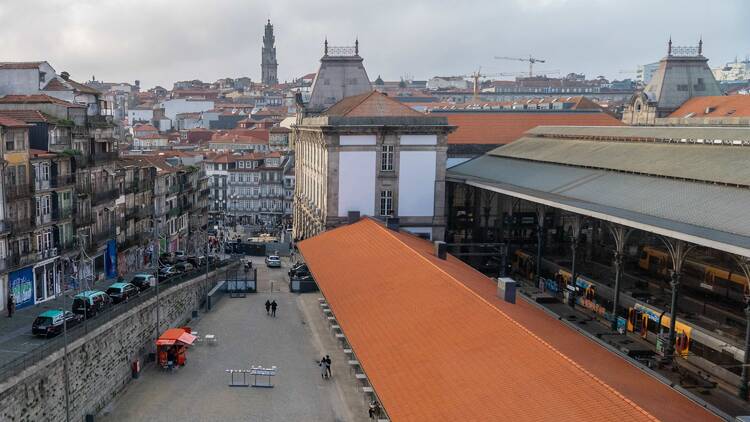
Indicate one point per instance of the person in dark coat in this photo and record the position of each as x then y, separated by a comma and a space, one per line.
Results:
268, 307
273, 308
11, 305
328, 365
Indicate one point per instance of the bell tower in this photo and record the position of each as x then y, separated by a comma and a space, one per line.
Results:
268, 65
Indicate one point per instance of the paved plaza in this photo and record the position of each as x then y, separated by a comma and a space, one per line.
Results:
293, 341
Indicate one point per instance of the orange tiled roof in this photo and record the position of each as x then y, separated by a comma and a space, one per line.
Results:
370, 104
36, 99
717, 106
11, 122
435, 350
28, 116
505, 127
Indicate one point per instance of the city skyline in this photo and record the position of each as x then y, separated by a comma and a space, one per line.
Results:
216, 42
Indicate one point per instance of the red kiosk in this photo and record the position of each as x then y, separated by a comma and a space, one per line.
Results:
172, 345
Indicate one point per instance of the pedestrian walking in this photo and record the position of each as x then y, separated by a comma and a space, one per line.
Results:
328, 365
273, 308
268, 307
11, 305
323, 370
374, 410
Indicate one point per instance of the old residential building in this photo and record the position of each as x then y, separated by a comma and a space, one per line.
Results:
371, 155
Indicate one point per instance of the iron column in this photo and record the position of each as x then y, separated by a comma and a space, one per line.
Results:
675, 284
743, 392
616, 295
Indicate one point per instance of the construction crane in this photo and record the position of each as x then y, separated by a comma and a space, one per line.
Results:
530, 60
475, 76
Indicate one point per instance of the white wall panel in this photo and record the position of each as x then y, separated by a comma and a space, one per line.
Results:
416, 183
357, 140
357, 182
418, 139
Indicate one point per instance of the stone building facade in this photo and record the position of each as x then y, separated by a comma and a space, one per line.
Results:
371, 155
682, 74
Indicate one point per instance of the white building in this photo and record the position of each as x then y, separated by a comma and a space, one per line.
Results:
447, 82
177, 106
734, 71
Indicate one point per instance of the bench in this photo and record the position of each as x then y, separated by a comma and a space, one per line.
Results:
211, 339
336, 327
323, 305
326, 311
321, 299
331, 318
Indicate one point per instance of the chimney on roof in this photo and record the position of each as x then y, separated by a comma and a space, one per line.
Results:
352, 217
441, 249
392, 223
65, 75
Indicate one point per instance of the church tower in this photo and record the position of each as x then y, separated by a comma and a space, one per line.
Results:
268, 65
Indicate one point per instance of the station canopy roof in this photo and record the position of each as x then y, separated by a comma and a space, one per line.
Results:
686, 183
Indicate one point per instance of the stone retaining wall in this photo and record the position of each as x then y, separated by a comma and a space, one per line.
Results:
99, 364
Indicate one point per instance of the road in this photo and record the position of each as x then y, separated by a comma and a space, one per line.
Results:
17, 342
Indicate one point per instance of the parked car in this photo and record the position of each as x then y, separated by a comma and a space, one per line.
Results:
299, 270
143, 281
197, 261
122, 292
273, 261
167, 258
91, 302
184, 267
166, 272
50, 323
180, 256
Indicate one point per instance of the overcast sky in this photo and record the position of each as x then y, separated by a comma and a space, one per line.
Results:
159, 41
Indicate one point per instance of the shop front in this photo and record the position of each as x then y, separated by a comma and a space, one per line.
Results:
21, 286
46, 280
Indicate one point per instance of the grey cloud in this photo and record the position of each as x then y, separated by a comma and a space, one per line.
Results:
159, 41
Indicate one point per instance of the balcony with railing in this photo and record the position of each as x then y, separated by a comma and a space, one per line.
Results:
46, 254
101, 195
20, 225
21, 259
66, 245
174, 212
62, 213
42, 219
62, 180
17, 191
99, 237
131, 240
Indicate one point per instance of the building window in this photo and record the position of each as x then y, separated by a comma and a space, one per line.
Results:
386, 163
386, 202
241, 164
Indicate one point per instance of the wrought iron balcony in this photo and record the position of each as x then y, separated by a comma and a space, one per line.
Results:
21, 259
16, 191
46, 254
66, 245
174, 212
104, 235
42, 219
62, 213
